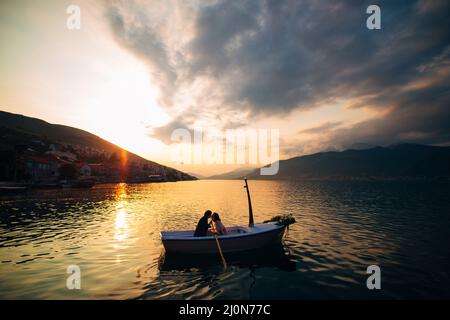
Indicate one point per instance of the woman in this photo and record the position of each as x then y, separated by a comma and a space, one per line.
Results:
218, 226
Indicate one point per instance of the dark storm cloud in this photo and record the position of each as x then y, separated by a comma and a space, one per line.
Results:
272, 57
281, 55
421, 117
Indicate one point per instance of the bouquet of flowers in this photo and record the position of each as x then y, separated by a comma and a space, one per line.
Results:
284, 220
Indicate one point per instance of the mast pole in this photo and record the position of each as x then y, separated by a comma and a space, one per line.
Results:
250, 209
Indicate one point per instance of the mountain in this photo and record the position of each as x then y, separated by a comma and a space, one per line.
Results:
234, 174
361, 146
197, 175
393, 162
38, 138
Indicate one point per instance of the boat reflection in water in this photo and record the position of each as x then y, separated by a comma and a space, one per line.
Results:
275, 256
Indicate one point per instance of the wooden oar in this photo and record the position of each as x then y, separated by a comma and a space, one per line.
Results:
220, 248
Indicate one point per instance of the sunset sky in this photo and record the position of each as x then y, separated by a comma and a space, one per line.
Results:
137, 70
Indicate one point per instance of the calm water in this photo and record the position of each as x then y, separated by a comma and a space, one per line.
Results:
112, 233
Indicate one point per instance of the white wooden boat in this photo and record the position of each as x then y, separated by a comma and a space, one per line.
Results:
238, 238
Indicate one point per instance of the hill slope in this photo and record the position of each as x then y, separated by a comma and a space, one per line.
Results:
397, 161
39, 135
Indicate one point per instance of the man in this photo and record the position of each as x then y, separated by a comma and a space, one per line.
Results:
203, 225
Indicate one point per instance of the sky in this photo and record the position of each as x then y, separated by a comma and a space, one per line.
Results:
137, 70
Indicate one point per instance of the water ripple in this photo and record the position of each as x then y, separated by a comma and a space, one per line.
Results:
112, 233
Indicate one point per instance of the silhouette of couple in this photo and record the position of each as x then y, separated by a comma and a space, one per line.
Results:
203, 225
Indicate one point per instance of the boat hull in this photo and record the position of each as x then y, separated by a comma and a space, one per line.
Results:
250, 238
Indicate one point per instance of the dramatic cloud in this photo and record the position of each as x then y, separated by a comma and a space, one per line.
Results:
322, 128
228, 63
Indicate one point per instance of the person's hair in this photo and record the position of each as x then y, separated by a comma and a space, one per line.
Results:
215, 216
208, 213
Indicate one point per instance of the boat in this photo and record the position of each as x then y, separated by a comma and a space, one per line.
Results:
78, 184
12, 189
45, 185
238, 238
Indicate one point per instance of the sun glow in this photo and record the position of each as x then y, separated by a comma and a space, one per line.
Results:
123, 107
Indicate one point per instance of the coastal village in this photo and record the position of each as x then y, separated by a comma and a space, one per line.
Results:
54, 165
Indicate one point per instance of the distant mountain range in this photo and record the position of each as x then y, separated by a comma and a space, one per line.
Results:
234, 174
394, 162
38, 135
